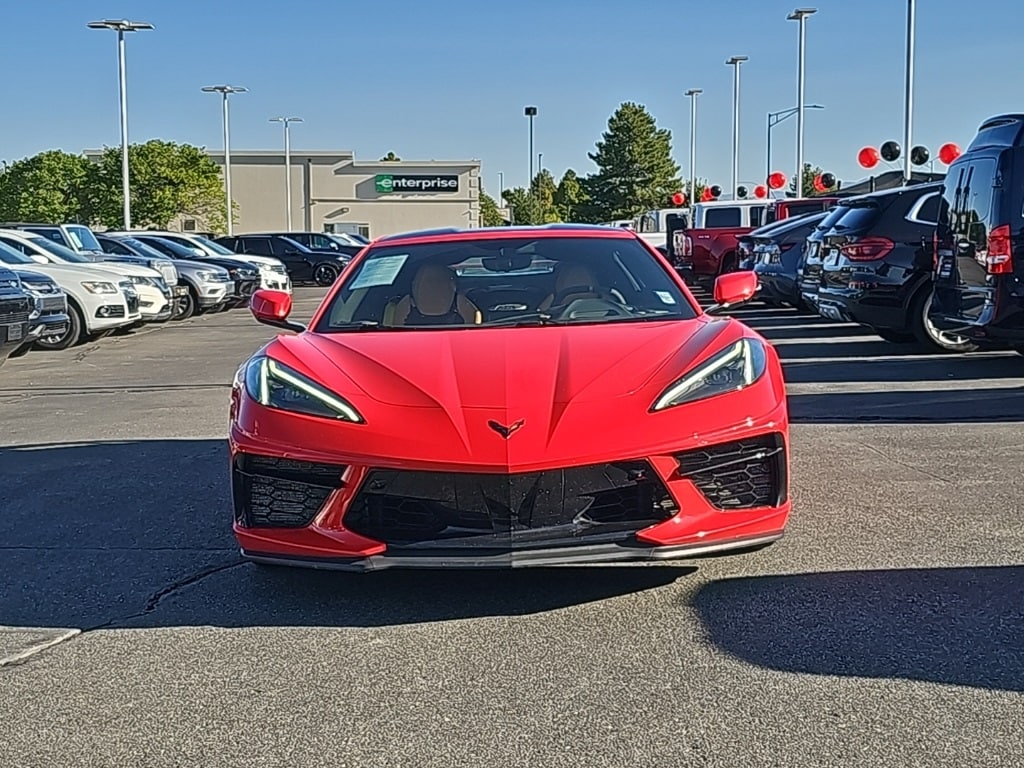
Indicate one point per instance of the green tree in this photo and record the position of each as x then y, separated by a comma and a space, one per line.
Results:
523, 205
48, 187
391, 157
810, 172
167, 180
543, 190
635, 169
490, 214
570, 199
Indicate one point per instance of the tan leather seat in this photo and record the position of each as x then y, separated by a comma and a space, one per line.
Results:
572, 281
433, 300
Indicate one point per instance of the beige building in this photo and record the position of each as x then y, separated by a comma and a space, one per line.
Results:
334, 192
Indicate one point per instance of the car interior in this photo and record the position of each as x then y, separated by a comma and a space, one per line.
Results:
497, 282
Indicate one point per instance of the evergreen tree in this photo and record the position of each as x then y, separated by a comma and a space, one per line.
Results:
570, 198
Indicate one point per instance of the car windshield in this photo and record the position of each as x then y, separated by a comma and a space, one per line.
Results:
177, 249
141, 248
59, 252
9, 255
212, 246
509, 281
83, 237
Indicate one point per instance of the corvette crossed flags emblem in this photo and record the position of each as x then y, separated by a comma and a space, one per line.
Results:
506, 431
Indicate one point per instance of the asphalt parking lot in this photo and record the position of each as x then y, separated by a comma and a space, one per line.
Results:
885, 629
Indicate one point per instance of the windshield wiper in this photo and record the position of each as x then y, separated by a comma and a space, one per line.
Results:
530, 318
365, 325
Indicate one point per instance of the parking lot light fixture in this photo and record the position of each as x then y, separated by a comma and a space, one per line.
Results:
225, 91
735, 62
286, 122
531, 113
800, 15
693, 93
121, 26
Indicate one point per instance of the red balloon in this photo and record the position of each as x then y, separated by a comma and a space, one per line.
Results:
868, 157
819, 185
777, 180
706, 195
948, 153
760, 191
678, 198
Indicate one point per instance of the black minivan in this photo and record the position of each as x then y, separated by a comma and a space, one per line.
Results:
979, 241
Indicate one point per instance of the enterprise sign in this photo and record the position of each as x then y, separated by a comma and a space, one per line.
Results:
386, 183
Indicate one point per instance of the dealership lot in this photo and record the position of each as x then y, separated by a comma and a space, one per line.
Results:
884, 629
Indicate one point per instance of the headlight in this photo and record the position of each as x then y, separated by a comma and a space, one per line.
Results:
92, 287
206, 276
732, 369
275, 385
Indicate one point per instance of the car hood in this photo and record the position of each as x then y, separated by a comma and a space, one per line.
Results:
63, 273
125, 268
507, 368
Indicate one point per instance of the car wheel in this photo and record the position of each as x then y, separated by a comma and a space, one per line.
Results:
925, 331
71, 336
895, 337
325, 274
728, 264
187, 305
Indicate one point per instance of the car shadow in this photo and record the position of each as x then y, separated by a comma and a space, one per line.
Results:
957, 626
138, 534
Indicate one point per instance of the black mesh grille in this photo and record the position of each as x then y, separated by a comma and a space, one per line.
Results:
739, 475
281, 493
15, 310
569, 505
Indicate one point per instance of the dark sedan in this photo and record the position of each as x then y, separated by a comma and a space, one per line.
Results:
304, 264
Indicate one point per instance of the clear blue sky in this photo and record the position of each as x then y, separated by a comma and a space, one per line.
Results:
448, 79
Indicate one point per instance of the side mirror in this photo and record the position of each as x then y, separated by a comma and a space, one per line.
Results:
273, 308
733, 288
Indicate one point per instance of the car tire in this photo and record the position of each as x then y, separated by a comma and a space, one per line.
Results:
728, 264
73, 335
188, 305
895, 337
926, 333
324, 275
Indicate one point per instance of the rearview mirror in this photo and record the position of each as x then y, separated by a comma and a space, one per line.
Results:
272, 308
732, 289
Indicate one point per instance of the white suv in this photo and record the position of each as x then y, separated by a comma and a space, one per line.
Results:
273, 274
98, 302
155, 296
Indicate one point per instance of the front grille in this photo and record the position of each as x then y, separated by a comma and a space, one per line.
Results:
51, 304
15, 310
246, 288
133, 302
739, 475
571, 506
281, 493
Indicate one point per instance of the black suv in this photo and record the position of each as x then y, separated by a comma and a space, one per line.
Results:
979, 261
877, 266
809, 278
16, 305
302, 263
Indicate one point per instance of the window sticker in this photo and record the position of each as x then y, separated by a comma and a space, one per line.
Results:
665, 296
380, 271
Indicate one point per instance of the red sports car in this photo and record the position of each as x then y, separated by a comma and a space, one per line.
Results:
508, 397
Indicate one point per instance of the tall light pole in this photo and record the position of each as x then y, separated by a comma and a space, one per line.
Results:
286, 122
121, 26
774, 118
693, 93
225, 91
800, 15
735, 62
530, 112
908, 101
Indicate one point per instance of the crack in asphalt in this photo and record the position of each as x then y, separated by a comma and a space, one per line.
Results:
903, 464
152, 603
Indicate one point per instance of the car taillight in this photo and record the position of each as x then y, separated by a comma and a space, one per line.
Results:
867, 249
935, 251
687, 246
999, 258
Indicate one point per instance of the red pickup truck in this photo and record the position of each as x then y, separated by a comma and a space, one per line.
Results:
710, 247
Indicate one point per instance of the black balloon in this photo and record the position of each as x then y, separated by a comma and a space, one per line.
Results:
741, 191
919, 155
828, 180
716, 190
890, 151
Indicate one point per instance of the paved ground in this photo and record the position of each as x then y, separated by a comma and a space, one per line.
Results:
886, 629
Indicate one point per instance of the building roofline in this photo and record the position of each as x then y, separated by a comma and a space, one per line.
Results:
341, 155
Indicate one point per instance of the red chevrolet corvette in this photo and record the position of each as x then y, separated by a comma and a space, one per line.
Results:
508, 397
